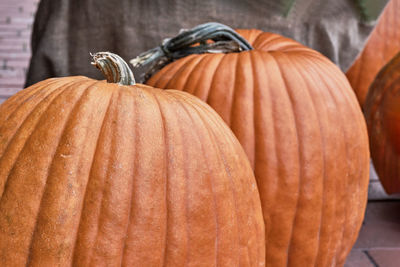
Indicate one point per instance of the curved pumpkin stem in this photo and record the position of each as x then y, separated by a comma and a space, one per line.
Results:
114, 68
226, 40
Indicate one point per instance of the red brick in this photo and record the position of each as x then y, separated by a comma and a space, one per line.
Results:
386, 257
15, 63
16, 19
21, 20
10, 10
19, 2
357, 258
21, 47
12, 73
15, 55
13, 41
10, 82
24, 2
13, 27
4, 20
15, 34
9, 91
13, 12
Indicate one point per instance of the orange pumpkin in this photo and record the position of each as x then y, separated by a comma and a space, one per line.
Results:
300, 124
382, 45
382, 112
107, 174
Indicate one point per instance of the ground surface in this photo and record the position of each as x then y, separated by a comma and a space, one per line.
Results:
379, 240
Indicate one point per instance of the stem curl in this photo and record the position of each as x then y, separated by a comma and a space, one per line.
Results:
225, 40
113, 67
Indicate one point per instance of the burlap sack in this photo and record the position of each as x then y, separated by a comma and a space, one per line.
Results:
65, 31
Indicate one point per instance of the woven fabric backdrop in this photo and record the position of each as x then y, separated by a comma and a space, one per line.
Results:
66, 31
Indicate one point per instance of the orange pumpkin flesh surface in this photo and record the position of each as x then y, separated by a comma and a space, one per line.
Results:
382, 45
300, 124
101, 174
382, 112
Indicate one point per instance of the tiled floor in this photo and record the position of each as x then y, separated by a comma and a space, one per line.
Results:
379, 240
378, 243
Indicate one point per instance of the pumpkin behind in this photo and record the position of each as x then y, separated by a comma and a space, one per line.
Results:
299, 122
382, 45
382, 112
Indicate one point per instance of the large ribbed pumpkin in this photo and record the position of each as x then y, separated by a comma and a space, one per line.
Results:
382, 45
300, 124
382, 112
103, 174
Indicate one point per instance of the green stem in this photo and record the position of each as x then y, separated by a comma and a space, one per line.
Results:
113, 67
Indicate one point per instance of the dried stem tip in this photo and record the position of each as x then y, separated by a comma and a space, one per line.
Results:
113, 67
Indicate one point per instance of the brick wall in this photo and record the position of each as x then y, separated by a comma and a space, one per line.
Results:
16, 19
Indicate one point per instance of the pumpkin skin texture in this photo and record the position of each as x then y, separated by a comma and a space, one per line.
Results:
300, 124
381, 47
100, 174
382, 113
